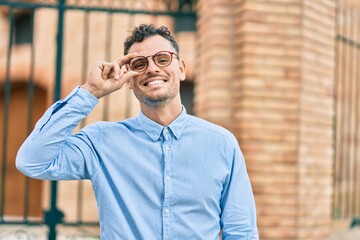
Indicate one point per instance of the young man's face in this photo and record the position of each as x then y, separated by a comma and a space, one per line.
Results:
157, 86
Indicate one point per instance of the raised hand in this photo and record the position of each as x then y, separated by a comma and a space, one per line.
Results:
107, 77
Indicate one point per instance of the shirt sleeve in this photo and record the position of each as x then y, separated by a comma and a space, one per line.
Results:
238, 217
51, 151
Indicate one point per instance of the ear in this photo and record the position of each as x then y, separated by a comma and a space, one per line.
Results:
182, 68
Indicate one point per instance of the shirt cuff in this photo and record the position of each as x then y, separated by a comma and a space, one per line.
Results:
82, 100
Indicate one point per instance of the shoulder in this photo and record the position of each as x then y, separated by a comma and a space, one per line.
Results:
106, 126
212, 130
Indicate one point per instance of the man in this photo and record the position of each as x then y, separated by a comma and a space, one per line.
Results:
161, 175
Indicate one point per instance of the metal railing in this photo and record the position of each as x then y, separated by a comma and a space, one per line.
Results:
22, 212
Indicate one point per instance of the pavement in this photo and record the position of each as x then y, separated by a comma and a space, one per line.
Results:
28, 232
341, 230
345, 234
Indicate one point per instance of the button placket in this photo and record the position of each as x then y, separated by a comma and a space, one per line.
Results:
167, 184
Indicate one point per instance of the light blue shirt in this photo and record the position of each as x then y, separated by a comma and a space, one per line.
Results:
187, 180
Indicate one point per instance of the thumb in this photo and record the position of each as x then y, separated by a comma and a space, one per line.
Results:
125, 78
129, 75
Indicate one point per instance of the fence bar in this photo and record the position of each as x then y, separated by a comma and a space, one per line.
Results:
30, 113
342, 124
108, 40
28, 5
128, 93
6, 114
356, 195
346, 113
350, 123
173, 13
84, 75
337, 170
347, 139
54, 215
352, 118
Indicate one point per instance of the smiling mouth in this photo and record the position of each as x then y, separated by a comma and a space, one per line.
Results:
155, 82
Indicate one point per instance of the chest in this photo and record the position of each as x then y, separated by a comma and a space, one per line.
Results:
191, 169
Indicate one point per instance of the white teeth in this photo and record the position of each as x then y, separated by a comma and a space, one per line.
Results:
154, 82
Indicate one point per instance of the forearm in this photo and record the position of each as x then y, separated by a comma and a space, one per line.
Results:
240, 223
41, 149
238, 218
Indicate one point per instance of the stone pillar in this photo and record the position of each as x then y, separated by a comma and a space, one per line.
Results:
266, 71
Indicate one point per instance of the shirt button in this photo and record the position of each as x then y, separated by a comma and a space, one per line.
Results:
166, 210
168, 178
167, 148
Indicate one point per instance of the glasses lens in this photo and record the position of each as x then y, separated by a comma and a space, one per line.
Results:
162, 59
138, 64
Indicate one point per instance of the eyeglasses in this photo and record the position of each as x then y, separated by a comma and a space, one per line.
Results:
161, 59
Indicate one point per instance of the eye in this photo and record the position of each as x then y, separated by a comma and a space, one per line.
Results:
138, 63
162, 59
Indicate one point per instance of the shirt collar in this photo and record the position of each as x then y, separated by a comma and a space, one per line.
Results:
154, 130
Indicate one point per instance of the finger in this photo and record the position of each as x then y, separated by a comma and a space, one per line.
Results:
126, 76
106, 70
125, 59
117, 71
130, 74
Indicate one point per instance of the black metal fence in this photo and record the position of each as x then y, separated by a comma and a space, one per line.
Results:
25, 92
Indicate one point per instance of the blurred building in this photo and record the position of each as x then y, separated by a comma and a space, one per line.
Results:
281, 75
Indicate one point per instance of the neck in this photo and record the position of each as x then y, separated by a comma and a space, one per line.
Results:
163, 115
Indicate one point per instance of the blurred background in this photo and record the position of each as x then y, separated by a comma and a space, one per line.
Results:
282, 75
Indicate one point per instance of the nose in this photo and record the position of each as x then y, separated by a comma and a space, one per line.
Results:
152, 67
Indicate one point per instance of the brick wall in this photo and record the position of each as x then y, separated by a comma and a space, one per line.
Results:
315, 158
266, 114
213, 95
267, 73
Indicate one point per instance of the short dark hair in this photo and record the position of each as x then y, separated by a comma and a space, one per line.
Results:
144, 31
